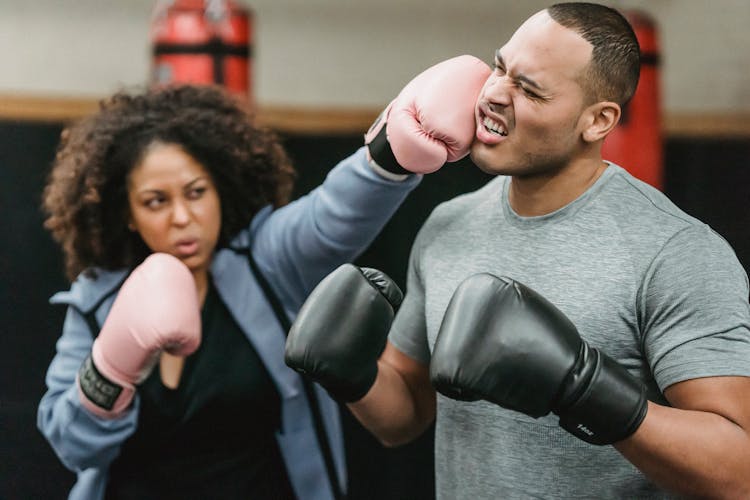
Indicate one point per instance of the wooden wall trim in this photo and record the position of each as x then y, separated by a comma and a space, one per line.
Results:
45, 109
711, 125
324, 121
286, 119
317, 121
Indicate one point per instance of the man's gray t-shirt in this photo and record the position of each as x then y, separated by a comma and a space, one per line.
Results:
652, 287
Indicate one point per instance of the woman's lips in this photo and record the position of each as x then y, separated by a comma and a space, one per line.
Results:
187, 247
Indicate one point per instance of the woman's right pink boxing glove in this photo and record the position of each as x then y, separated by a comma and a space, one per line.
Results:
431, 121
156, 310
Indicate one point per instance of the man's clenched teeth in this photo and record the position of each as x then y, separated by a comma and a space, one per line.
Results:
494, 127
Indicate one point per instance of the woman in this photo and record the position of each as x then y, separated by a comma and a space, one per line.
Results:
178, 181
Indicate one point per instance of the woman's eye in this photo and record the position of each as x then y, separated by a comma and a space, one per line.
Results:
196, 193
154, 203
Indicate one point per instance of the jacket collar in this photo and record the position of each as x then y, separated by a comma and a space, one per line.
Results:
246, 302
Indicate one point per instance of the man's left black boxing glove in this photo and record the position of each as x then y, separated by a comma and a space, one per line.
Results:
502, 342
341, 330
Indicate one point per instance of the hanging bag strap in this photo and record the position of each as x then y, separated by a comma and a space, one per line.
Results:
320, 431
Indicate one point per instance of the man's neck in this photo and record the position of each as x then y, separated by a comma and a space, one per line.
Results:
543, 194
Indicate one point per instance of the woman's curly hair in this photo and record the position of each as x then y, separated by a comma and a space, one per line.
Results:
85, 199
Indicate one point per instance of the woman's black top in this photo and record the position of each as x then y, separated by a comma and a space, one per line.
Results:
213, 436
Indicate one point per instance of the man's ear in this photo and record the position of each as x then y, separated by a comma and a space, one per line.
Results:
600, 118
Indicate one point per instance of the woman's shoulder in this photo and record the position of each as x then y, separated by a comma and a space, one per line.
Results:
90, 288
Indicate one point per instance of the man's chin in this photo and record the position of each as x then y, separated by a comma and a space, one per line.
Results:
487, 163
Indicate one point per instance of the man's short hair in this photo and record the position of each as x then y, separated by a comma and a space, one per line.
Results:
614, 69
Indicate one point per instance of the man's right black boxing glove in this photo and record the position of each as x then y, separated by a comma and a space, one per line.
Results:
502, 342
341, 330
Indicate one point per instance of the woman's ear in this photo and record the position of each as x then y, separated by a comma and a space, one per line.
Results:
601, 118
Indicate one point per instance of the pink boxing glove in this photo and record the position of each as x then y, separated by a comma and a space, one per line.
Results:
431, 121
155, 310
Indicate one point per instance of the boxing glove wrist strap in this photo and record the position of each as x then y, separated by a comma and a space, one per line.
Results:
382, 159
612, 406
97, 388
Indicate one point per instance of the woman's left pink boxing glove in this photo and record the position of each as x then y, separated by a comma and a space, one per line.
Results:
157, 309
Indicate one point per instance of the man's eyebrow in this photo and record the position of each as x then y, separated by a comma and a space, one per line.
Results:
499, 61
499, 58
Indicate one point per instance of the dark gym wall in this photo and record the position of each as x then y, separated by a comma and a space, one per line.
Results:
29, 273
707, 178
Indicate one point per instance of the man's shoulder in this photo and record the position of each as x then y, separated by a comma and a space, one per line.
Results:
637, 203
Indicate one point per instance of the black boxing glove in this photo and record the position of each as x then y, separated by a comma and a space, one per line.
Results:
341, 330
502, 342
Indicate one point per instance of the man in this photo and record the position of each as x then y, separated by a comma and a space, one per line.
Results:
562, 253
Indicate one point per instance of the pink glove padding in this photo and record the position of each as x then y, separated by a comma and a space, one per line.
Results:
431, 121
156, 310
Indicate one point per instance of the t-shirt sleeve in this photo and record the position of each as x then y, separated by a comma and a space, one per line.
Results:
694, 309
409, 331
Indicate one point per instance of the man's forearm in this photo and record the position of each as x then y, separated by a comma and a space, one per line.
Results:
693, 453
391, 412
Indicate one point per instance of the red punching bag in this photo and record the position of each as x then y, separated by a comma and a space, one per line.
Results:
202, 42
636, 143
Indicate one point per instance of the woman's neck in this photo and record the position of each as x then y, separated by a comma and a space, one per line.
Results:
201, 277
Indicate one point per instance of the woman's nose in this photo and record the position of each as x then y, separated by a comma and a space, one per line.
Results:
180, 213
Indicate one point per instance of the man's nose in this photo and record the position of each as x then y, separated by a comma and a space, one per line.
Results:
495, 107
498, 94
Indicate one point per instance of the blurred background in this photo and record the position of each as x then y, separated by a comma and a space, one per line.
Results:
319, 71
